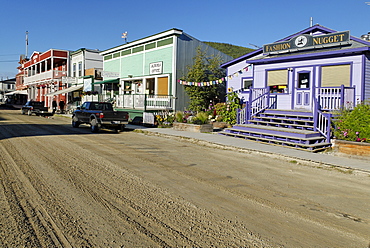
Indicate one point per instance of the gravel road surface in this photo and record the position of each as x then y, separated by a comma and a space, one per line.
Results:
66, 187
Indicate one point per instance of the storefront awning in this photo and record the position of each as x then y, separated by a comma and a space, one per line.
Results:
109, 81
70, 89
19, 92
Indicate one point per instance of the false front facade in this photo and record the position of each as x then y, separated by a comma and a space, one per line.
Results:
142, 75
313, 72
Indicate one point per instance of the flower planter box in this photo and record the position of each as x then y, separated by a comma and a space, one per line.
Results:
220, 125
351, 148
205, 128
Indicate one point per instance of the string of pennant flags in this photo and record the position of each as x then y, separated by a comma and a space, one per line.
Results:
214, 82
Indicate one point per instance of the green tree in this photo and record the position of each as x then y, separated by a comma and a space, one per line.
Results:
205, 69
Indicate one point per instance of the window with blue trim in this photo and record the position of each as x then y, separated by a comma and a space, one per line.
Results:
247, 84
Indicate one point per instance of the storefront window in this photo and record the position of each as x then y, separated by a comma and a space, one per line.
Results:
336, 75
277, 80
127, 87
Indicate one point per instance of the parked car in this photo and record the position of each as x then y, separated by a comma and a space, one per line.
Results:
34, 107
99, 115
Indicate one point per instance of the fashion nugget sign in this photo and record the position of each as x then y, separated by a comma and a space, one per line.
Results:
307, 41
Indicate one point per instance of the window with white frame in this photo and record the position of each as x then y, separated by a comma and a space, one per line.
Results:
247, 84
74, 70
80, 69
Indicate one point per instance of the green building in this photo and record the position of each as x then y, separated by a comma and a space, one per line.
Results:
142, 75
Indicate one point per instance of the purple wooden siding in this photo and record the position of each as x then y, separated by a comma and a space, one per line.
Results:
367, 79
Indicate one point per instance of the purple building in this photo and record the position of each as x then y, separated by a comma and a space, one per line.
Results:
296, 83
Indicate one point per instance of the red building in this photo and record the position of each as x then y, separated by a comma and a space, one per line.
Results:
43, 74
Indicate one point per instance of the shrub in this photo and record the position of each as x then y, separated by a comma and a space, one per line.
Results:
226, 112
201, 118
179, 116
353, 125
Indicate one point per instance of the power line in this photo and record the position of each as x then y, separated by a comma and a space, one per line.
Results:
9, 54
8, 61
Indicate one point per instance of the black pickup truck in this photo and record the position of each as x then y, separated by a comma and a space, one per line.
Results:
34, 107
99, 115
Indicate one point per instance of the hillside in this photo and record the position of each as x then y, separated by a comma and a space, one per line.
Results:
231, 50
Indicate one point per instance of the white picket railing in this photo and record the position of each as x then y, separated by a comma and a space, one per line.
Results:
335, 98
140, 101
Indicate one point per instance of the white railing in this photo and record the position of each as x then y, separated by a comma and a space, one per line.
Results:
259, 100
242, 116
44, 75
329, 98
139, 101
159, 102
349, 98
322, 122
334, 98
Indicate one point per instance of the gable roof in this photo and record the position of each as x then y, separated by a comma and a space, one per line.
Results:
316, 29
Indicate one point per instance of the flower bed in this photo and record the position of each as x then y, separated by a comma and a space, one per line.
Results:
204, 128
351, 148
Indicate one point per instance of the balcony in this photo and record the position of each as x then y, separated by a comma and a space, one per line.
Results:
47, 75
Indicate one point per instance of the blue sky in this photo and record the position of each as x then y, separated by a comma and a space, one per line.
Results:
74, 24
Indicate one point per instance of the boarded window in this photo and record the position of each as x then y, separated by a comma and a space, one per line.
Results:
335, 75
162, 86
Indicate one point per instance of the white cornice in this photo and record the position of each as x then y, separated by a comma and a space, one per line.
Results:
143, 41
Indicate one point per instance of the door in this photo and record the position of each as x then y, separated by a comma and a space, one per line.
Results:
303, 95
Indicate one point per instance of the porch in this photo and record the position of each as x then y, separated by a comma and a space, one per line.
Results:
308, 129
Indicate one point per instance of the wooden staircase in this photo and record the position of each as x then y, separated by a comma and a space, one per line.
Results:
288, 128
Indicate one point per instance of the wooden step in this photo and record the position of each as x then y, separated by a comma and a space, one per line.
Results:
278, 131
282, 124
315, 147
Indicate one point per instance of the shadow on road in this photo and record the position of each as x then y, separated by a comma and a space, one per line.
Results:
8, 131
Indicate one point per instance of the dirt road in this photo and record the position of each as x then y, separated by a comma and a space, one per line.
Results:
65, 187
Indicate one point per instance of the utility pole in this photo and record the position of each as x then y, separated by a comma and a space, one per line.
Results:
26, 44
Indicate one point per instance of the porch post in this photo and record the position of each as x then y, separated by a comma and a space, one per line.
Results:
341, 96
328, 128
144, 102
268, 98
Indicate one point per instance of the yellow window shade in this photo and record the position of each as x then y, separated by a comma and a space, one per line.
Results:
278, 77
335, 75
162, 86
